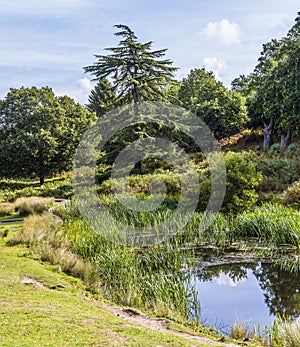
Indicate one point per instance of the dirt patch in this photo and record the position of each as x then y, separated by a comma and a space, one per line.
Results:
137, 317
31, 281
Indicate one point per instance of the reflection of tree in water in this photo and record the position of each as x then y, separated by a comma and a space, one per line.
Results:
281, 290
235, 271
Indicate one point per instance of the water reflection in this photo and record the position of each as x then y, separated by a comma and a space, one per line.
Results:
281, 290
253, 291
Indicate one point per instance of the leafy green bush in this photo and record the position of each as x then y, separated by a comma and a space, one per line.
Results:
241, 181
275, 148
143, 183
279, 171
293, 150
291, 196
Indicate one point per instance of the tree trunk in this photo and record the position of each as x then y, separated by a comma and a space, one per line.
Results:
268, 134
286, 140
135, 108
42, 180
138, 167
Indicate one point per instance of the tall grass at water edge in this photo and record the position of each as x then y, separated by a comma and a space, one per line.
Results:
281, 333
270, 223
149, 278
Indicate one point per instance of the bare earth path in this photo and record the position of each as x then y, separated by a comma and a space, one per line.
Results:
134, 316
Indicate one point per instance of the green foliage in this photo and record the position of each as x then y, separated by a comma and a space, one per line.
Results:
279, 170
223, 111
293, 150
102, 98
57, 187
241, 182
137, 73
271, 223
147, 277
272, 90
39, 132
291, 196
142, 183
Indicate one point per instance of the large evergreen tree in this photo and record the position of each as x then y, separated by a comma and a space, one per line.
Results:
102, 98
136, 72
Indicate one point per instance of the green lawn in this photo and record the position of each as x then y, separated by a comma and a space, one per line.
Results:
35, 315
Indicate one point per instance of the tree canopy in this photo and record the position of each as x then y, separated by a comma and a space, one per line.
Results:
224, 111
136, 72
102, 98
272, 90
39, 132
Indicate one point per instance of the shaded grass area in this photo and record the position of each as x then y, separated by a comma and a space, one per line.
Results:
35, 315
58, 187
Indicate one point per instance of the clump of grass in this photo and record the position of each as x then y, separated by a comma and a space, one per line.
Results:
291, 334
269, 223
37, 229
149, 277
281, 333
45, 235
6, 209
241, 330
31, 205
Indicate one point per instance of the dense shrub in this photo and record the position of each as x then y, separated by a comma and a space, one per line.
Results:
241, 181
32, 205
291, 196
279, 168
6, 209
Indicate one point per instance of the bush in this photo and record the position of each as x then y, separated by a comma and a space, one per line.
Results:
6, 209
143, 183
291, 196
278, 172
241, 181
32, 205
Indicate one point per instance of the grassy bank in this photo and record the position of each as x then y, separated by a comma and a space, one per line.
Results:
41, 306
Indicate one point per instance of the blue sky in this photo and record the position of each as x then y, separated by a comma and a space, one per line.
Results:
47, 42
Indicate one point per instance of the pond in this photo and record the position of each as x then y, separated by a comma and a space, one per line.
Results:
253, 291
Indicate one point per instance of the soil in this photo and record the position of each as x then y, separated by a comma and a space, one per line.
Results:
135, 316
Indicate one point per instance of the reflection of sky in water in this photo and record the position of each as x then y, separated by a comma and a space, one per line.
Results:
225, 280
223, 299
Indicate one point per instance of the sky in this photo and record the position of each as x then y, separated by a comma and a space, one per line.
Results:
48, 42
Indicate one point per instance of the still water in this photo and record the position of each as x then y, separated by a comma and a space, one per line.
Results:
255, 292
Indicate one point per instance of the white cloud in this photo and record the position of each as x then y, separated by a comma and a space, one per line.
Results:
84, 85
82, 90
216, 65
79, 91
224, 280
225, 33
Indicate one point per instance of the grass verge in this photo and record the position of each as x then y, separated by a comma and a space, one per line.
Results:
41, 307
